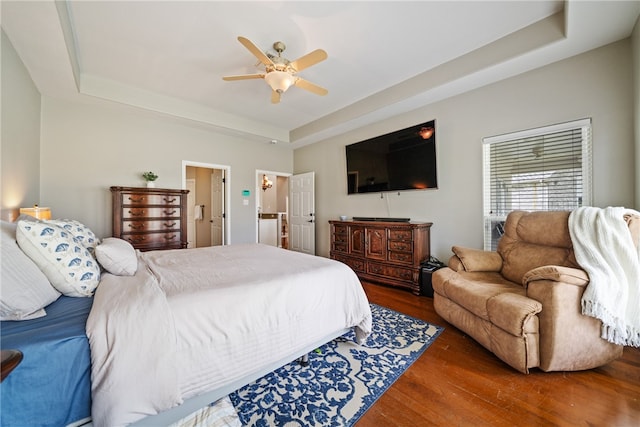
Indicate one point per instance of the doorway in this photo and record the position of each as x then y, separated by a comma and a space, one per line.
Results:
285, 210
272, 208
207, 208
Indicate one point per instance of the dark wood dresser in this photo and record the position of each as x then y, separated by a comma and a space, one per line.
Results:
383, 252
150, 218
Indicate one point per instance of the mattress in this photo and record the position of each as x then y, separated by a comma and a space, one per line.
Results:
218, 314
52, 384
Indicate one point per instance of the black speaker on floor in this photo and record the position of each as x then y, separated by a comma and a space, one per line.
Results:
426, 288
426, 270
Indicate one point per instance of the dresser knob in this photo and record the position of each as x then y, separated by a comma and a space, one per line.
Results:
140, 200
136, 213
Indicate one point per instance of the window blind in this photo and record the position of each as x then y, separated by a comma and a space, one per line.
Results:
543, 169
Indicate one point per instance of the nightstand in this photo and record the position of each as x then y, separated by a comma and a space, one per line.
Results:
10, 359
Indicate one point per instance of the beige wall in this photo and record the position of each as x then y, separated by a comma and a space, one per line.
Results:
595, 84
86, 148
20, 147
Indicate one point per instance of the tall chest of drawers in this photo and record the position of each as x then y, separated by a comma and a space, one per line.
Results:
150, 218
383, 252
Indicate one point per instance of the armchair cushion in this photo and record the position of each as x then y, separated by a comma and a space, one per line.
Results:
478, 260
473, 290
534, 239
512, 312
554, 273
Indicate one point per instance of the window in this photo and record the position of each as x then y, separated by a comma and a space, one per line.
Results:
543, 169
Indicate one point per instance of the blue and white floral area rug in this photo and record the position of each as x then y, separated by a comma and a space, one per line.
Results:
342, 379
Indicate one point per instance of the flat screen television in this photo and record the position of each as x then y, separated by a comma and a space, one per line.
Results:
400, 160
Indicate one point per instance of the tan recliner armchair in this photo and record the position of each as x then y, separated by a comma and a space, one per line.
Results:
523, 302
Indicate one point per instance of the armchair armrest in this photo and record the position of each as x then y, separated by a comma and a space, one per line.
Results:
555, 273
468, 259
569, 340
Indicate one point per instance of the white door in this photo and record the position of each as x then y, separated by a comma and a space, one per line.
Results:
302, 223
191, 222
217, 204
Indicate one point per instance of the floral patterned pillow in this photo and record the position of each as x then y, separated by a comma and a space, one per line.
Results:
68, 265
80, 231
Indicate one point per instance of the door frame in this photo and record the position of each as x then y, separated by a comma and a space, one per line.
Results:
259, 173
227, 193
191, 223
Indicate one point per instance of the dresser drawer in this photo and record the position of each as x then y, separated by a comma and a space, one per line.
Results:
389, 271
152, 238
143, 212
399, 245
400, 235
404, 257
357, 265
341, 238
136, 199
341, 247
340, 229
155, 225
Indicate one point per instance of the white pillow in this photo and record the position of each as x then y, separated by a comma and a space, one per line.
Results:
117, 256
68, 265
25, 289
80, 231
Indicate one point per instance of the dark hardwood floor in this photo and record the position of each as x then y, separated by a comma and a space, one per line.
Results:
456, 382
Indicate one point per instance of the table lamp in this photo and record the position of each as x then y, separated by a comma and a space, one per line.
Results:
37, 212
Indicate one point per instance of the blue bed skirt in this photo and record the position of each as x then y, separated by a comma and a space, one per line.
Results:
52, 384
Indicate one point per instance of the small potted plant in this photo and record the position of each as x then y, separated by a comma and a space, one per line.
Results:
150, 177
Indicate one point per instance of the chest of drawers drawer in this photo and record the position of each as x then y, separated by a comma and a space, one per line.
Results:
150, 212
395, 245
149, 240
136, 226
141, 199
400, 235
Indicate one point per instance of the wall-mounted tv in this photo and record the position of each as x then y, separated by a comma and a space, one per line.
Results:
400, 160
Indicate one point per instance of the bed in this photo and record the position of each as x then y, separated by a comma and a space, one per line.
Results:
185, 329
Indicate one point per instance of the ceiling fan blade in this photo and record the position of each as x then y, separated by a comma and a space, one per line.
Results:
255, 50
243, 77
275, 97
314, 88
308, 60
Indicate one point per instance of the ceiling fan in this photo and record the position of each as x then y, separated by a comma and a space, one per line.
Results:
280, 73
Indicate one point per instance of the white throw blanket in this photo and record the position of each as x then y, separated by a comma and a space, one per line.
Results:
604, 248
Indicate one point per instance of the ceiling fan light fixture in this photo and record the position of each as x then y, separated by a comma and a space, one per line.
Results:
426, 132
280, 73
279, 81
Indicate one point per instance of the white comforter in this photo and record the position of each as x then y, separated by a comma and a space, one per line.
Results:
193, 320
